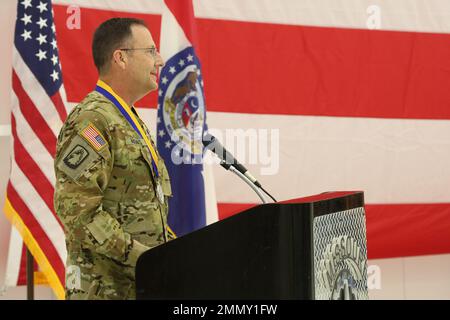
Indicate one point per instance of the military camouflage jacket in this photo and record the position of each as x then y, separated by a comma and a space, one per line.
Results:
105, 196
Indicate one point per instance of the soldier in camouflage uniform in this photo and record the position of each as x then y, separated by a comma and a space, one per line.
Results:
105, 193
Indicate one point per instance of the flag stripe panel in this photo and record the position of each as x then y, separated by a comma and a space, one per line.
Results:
392, 160
406, 15
32, 171
45, 107
46, 266
59, 105
39, 234
32, 115
297, 70
37, 207
33, 145
398, 230
129, 7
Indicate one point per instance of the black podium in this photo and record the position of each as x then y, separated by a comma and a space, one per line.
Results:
307, 248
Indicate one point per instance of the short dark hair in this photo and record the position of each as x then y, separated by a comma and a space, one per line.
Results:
109, 36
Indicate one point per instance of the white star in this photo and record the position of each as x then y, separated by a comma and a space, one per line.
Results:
198, 71
42, 23
160, 92
181, 62
158, 119
54, 43
54, 59
177, 152
53, 28
42, 6
168, 144
164, 80
55, 76
161, 133
42, 39
26, 19
41, 55
190, 57
26, 35
26, 3
172, 70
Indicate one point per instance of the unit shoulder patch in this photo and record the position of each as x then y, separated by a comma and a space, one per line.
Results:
76, 157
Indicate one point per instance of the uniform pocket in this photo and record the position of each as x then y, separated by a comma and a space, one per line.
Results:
103, 227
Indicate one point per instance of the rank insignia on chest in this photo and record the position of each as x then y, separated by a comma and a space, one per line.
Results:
94, 137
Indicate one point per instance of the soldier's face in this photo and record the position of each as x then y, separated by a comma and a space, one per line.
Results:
144, 64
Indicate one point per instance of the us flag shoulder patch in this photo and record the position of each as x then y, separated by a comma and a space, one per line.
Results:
94, 137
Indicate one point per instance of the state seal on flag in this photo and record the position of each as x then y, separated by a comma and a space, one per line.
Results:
182, 102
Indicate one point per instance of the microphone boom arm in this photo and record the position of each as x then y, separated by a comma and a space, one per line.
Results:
247, 181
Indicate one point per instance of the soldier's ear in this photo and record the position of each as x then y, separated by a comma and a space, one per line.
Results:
120, 58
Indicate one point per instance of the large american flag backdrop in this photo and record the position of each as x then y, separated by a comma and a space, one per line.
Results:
356, 109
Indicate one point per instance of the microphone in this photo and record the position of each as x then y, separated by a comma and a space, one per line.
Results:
210, 142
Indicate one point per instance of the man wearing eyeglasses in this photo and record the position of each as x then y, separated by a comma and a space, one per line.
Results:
112, 186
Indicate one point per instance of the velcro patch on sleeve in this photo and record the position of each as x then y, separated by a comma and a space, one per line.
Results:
78, 157
92, 135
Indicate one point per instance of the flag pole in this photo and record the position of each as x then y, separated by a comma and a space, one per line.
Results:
30, 276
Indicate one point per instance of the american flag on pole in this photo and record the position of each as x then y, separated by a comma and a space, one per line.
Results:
38, 112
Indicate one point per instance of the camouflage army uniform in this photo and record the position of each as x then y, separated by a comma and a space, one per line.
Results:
106, 199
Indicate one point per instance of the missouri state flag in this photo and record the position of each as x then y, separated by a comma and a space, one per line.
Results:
181, 118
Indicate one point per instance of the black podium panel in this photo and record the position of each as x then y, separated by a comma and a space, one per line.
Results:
265, 252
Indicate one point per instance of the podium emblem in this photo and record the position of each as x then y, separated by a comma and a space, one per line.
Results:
340, 256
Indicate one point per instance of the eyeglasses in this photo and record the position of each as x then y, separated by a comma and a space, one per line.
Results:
152, 50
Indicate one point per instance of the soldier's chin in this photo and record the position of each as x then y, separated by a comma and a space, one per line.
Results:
153, 85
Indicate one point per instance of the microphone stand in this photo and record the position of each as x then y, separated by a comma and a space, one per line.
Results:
247, 180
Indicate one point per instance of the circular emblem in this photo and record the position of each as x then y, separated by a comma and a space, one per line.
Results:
182, 106
342, 272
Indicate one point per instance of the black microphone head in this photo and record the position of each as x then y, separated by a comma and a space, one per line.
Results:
207, 139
